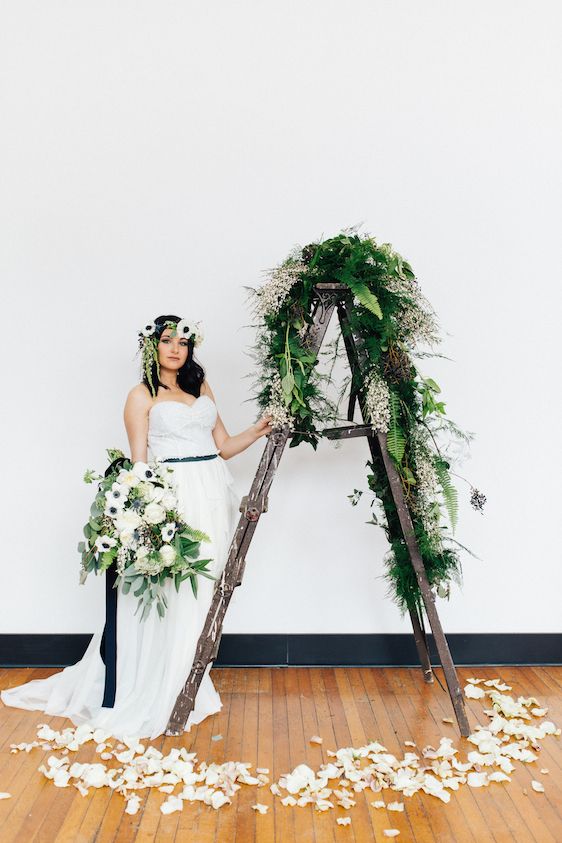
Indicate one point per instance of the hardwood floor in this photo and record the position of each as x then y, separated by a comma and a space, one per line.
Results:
267, 718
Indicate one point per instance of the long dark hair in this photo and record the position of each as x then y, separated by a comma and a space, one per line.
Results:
190, 376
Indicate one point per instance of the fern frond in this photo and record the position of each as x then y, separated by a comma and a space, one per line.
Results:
450, 495
361, 291
395, 438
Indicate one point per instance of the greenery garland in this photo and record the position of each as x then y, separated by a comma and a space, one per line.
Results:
391, 320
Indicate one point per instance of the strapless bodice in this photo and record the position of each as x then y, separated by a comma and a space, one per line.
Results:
177, 429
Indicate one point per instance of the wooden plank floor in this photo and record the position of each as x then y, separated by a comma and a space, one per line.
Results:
267, 718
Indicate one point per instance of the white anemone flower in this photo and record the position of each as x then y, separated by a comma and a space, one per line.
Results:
113, 509
168, 531
143, 470
185, 328
104, 543
117, 494
148, 329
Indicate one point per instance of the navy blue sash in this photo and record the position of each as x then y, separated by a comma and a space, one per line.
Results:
191, 459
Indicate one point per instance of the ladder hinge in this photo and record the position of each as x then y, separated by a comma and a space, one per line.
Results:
252, 508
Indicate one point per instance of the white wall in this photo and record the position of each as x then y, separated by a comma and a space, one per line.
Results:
157, 156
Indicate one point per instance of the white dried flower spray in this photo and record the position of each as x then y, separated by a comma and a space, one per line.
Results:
276, 408
271, 295
415, 320
377, 399
427, 487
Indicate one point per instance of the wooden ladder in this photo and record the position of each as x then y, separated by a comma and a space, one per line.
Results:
327, 298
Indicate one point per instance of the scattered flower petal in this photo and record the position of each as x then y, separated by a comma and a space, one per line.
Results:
263, 809
537, 786
473, 693
173, 803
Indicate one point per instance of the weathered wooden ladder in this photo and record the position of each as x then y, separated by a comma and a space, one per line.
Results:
327, 298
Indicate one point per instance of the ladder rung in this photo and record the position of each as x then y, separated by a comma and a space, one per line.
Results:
347, 431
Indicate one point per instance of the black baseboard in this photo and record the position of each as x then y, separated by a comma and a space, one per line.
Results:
281, 650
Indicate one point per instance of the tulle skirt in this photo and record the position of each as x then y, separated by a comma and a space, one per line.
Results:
155, 656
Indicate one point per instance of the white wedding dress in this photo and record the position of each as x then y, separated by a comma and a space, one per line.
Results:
154, 657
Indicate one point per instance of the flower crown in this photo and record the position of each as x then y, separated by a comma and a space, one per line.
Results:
148, 343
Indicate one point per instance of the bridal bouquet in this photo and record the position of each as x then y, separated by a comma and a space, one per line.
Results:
135, 525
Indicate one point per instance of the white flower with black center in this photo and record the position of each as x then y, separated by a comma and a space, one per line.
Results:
117, 494
143, 471
148, 330
105, 543
113, 509
184, 328
168, 531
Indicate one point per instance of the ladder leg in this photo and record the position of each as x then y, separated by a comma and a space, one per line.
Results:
421, 644
357, 362
207, 645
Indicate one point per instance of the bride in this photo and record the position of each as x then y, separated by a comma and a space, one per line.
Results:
171, 416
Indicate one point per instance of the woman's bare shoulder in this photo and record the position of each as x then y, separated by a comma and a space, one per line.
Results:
139, 396
206, 389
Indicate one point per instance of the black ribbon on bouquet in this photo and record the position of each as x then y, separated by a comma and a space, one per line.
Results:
108, 646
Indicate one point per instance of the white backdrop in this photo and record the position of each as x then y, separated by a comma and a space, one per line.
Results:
157, 156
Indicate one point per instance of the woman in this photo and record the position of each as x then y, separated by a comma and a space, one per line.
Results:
171, 416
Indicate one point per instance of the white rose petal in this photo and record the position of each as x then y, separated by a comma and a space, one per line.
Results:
219, 798
391, 832
477, 779
262, 809
173, 803
537, 786
133, 804
473, 693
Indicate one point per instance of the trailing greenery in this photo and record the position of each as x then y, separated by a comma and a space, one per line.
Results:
390, 320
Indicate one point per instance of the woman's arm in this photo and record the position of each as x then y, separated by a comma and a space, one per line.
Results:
135, 414
228, 445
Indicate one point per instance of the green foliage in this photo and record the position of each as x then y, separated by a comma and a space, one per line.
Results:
383, 287
395, 439
449, 492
